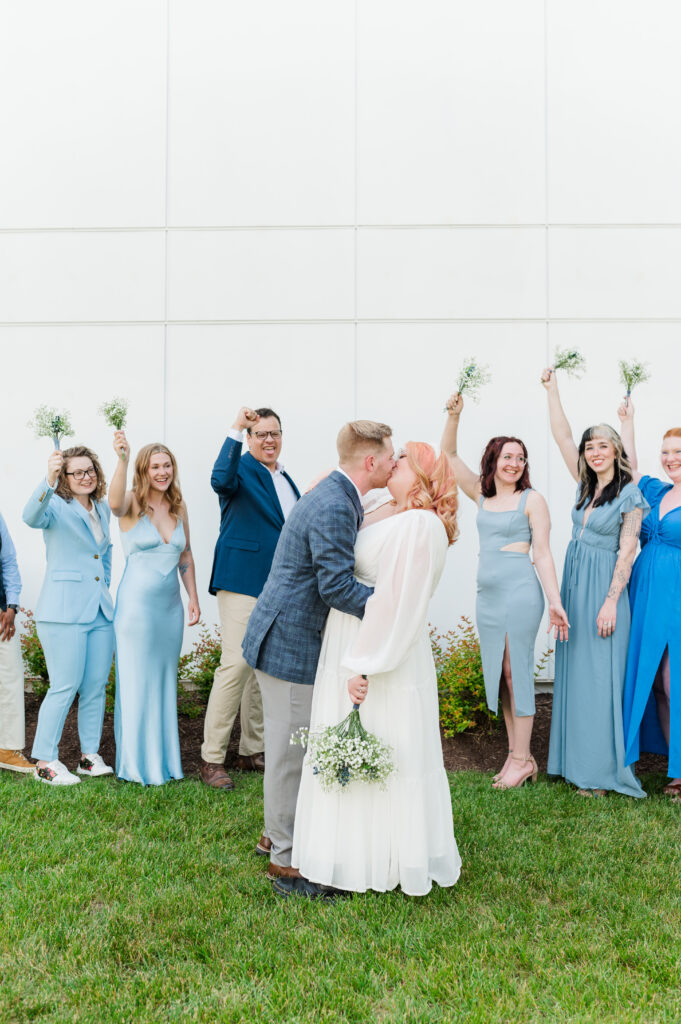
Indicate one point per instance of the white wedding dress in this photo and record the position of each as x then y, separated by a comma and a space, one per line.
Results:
364, 837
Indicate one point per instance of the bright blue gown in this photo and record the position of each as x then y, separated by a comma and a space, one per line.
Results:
655, 597
587, 737
148, 624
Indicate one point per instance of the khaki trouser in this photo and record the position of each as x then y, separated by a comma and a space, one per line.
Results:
234, 686
287, 709
12, 733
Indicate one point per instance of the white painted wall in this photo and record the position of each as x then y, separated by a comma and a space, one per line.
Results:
324, 207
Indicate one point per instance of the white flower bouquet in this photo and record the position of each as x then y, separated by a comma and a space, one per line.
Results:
471, 378
632, 374
569, 360
50, 423
345, 753
115, 412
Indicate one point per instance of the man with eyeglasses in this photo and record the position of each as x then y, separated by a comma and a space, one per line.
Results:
256, 495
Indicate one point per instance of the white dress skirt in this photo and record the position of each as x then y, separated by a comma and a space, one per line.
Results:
365, 837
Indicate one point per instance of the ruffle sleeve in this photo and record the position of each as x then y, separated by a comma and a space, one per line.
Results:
652, 489
409, 568
631, 498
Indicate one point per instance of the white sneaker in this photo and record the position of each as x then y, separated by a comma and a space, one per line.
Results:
56, 774
93, 765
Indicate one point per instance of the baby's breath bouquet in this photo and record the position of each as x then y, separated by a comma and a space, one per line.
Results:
569, 360
50, 423
632, 374
342, 753
115, 412
471, 378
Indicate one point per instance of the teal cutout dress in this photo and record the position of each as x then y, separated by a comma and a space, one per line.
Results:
148, 625
510, 603
587, 735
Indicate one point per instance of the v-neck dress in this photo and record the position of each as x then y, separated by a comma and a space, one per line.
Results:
510, 603
587, 736
655, 598
148, 625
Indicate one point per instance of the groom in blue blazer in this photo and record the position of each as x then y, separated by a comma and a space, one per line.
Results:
256, 495
312, 571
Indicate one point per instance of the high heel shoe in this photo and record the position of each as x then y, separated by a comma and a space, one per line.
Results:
495, 778
531, 774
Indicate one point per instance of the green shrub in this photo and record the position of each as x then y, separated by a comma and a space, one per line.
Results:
460, 682
32, 653
199, 665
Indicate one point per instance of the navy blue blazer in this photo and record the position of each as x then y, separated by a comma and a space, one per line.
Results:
251, 520
312, 571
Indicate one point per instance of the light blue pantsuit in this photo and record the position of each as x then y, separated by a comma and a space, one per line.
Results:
78, 657
73, 618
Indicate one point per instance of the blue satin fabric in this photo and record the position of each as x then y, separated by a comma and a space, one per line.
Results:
655, 596
148, 624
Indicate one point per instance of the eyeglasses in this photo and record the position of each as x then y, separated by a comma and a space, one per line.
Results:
80, 474
260, 435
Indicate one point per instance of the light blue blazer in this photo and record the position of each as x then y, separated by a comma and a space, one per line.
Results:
78, 574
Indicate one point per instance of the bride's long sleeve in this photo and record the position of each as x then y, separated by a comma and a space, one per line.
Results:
408, 570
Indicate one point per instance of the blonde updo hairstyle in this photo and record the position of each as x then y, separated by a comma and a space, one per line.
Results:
141, 484
435, 488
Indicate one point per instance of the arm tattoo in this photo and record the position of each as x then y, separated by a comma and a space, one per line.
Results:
620, 578
631, 524
183, 568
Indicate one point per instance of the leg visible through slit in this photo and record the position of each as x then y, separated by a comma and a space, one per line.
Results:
661, 689
518, 728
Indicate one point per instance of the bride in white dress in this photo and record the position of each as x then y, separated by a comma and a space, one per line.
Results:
365, 837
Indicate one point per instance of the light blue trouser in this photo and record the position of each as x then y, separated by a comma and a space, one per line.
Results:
78, 657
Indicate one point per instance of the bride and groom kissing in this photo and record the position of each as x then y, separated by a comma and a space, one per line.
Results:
342, 620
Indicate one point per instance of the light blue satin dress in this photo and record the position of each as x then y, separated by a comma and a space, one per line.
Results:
510, 604
148, 625
587, 734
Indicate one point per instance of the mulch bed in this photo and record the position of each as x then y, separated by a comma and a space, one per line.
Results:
478, 750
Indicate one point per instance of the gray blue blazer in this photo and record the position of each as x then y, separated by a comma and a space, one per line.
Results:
78, 575
312, 571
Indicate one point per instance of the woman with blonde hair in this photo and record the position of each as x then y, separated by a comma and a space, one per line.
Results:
366, 837
587, 735
652, 703
74, 610
149, 617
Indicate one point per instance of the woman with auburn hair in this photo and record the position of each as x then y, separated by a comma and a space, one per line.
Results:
512, 518
149, 617
366, 837
587, 736
652, 702
74, 611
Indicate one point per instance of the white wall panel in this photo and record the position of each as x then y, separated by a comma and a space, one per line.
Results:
245, 275
81, 276
450, 111
304, 372
615, 272
261, 112
614, 84
83, 113
438, 273
75, 368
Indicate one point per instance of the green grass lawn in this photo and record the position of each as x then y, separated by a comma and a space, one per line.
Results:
123, 904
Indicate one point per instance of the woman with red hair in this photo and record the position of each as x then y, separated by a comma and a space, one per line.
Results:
652, 705
512, 517
365, 837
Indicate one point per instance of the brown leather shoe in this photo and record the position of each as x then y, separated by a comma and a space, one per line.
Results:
282, 871
251, 762
263, 846
215, 775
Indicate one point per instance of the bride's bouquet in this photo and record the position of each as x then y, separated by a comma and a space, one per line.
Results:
49, 422
345, 752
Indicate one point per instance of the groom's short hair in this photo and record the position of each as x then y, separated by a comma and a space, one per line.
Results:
360, 437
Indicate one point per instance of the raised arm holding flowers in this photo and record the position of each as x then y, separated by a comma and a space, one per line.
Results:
512, 518
586, 745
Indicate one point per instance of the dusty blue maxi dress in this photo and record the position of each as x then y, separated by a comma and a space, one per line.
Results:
510, 603
587, 737
148, 624
655, 597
